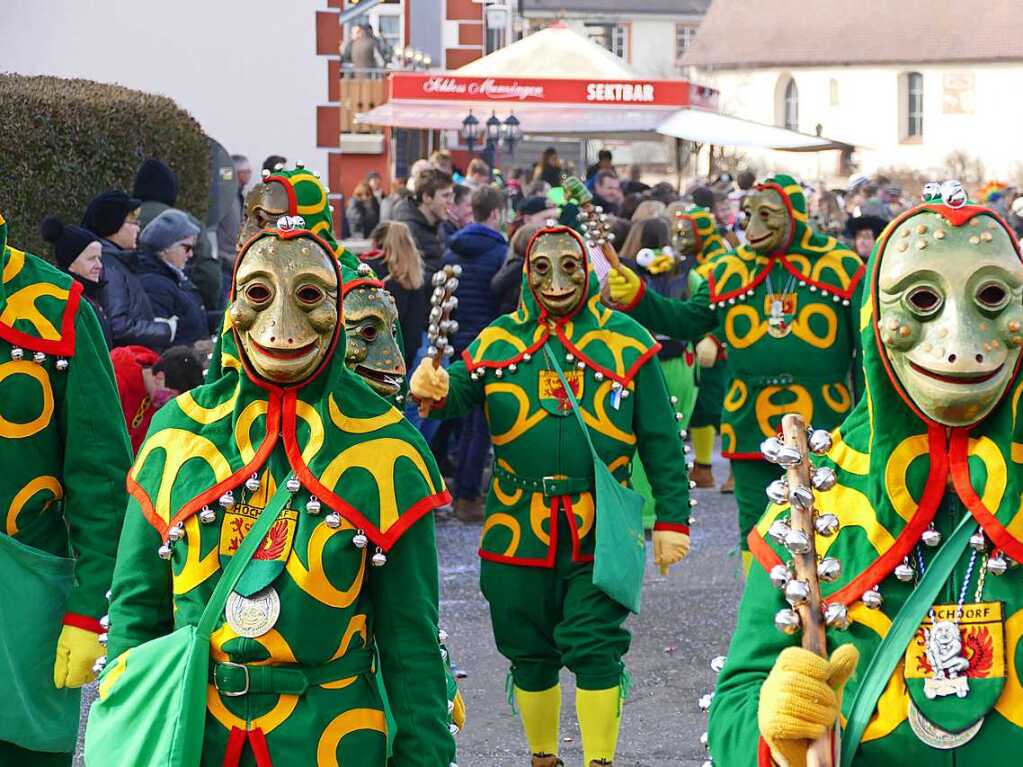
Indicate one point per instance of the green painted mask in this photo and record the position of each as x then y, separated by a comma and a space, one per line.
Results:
264, 204
371, 350
285, 310
951, 313
557, 273
768, 224
683, 237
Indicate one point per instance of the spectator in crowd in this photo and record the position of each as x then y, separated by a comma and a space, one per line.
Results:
423, 214
745, 180
396, 261
399, 191
417, 167
604, 162
114, 218
607, 191
724, 217
862, 232
507, 283
645, 210
78, 252
634, 184
533, 210
243, 175
146, 381
167, 244
703, 197
157, 186
477, 174
223, 217
662, 191
376, 185
441, 160
480, 249
364, 50
272, 162
459, 213
362, 213
549, 167
629, 205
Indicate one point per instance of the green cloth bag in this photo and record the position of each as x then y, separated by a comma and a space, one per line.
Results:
151, 708
619, 556
35, 715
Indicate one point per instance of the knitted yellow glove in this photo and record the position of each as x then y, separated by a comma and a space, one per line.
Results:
77, 651
800, 700
429, 382
670, 548
623, 284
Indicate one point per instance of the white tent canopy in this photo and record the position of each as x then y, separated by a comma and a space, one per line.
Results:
715, 128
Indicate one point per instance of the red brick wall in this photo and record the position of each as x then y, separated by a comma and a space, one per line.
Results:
464, 9
328, 33
470, 34
459, 57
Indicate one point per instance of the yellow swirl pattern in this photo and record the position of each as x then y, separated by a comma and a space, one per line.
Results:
895, 474
836, 396
15, 263
196, 569
243, 428
599, 419
313, 580
21, 305
506, 499
757, 330
801, 327
353, 425
39, 484
539, 512
18, 430
200, 414
848, 458
179, 447
308, 413
766, 408
350, 721
736, 396
1010, 702
523, 420
268, 722
508, 521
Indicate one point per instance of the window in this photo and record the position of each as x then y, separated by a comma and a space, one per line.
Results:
497, 28
914, 105
790, 106
684, 36
386, 19
614, 37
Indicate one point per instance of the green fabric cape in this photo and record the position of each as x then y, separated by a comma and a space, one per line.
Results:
344, 443
892, 462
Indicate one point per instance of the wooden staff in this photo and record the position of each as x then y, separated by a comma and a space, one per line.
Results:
598, 230
812, 619
444, 283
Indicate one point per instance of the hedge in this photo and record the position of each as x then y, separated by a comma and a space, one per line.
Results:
62, 142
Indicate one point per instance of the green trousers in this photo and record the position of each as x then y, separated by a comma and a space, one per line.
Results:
548, 618
751, 481
15, 756
712, 381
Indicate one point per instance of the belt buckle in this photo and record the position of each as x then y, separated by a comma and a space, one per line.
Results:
548, 485
233, 694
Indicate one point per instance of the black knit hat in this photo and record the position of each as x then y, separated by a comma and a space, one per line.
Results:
155, 181
107, 211
68, 241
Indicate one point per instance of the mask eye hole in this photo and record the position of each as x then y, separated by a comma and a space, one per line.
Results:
541, 266
569, 265
368, 333
258, 294
309, 295
992, 296
924, 301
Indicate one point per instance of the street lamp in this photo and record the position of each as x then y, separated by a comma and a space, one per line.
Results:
470, 131
511, 132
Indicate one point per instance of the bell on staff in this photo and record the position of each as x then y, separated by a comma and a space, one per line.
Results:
820, 441
779, 530
788, 457
801, 497
456, 270
450, 305
431, 351
435, 314
780, 576
826, 525
787, 621
836, 616
451, 285
824, 478
438, 295
829, 569
770, 447
797, 542
452, 326
438, 278
778, 491
797, 592
432, 329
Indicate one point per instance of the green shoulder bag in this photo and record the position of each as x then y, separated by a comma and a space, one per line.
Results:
151, 708
619, 556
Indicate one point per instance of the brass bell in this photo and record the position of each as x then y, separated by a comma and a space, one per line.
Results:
829, 569
379, 559
332, 520
207, 516
780, 576
826, 525
931, 537
787, 621
797, 592
836, 616
360, 540
313, 505
872, 598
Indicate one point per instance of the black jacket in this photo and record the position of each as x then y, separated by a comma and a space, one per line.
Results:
506, 285
93, 293
126, 304
363, 217
174, 295
426, 235
204, 266
480, 251
411, 307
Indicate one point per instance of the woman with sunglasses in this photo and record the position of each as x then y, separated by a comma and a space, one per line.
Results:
167, 244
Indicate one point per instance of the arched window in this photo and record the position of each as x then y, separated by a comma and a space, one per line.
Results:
913, 105
791, 105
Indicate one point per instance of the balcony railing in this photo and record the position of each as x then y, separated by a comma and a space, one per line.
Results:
361, 91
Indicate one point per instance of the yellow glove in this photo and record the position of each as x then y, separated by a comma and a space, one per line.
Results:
77, 651
662, 263
800, 700
670, 548
623, 285
458, 712
429, 382
707, 352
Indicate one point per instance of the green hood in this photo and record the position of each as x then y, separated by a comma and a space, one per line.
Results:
608, 342
894, 464
821, 262
346, 445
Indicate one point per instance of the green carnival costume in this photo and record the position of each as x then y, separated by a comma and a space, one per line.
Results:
787, 315
905, 482
538, 532
364, 484
62, 498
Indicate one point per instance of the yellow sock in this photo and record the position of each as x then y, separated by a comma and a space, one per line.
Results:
703, 444
599, 713
541, 714
747, 561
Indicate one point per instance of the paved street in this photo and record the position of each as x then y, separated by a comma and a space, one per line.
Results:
686, 621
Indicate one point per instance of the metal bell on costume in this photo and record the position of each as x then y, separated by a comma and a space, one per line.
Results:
17, 353
797, 542
797, 592
379, 559
293, 485
252, 483
787, 621
164, 551
39, 358
717, 663
99, 665
997, 565
826, 525
780, 576
103, 638
332, 520
829, 569
824, 478
836, 616
872, 598
705, 701
313, 505
227, 500
778, 491
705, 740
62, 364
819, 441
104, 623
207, 516
905, 571
931, 537
360, 540
977, 541
176, 533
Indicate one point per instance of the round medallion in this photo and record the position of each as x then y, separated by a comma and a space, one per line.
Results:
934, 736
253, 616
